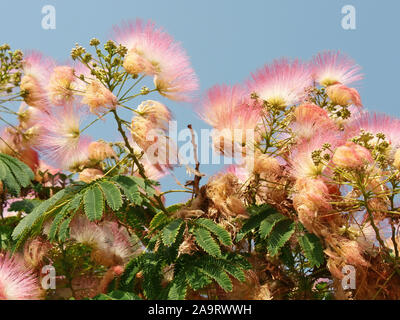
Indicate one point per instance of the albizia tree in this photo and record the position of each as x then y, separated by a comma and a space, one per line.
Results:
315, 192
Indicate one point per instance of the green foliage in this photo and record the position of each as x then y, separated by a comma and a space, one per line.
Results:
269, 223
94, 203
112, 195
279, 236
170, 232
205, 240
258, 214
223, 236
312, 249
89, 197
14, 174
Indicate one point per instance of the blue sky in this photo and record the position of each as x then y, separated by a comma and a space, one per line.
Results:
226, 40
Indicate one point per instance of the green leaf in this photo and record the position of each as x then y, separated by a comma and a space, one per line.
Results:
28, 221
93, 203
72, 206
112, 194
223, 236
217, 274
130, 188
254, 221
197, 279
9, 180
279, 236
178, 287
64, 229
171, 231
19, 170
160, 219
312, 249
269, 223
205, 240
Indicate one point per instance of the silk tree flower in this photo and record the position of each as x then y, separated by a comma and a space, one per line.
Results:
281, 84
60, 85
352, 156
111, 244
301, 160
62, 140
233, 116
309, 120
99, 98
100, 150
156, 112
342, 95
90, 174
332, 67
153, 52
37, 70
16, 281
374, 124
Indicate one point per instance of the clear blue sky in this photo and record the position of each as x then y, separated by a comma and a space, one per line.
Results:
226, 40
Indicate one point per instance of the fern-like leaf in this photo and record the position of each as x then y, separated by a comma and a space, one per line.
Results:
269, 223
93, 203
112, 194
223, 236
279, 236
312, 249
205, 240
170, 231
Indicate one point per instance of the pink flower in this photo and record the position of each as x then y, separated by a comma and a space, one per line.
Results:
301, 160
233, 116
62, 140
90, 174
283, 83
100, 150
37, 70
152, 51
332, 67
310, 119
375, 123
99, 98
60, 85
342, 95
352, 156
17, 282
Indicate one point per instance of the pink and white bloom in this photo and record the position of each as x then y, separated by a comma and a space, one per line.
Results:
301, 161
375, 123
352, 156
282, 83
332, 67
62, 140
37, 70
233, 116
153, 52
16, 281
342, 95
309, 121
60, 85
